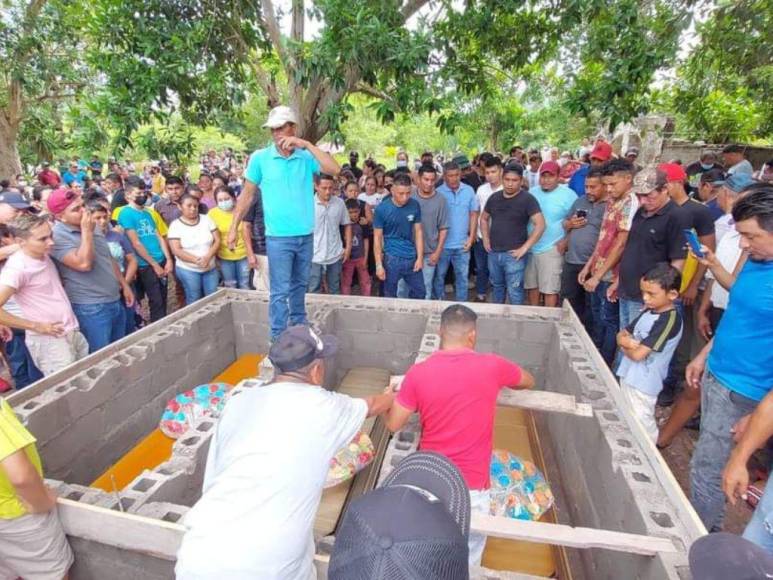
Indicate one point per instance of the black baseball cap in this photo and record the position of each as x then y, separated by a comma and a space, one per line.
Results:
416, 526
714, 176
299, 346
721, 556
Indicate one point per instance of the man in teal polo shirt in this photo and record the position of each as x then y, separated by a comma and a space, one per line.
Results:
285, 173
735, 370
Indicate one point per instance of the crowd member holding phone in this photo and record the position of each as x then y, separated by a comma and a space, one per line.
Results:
582, 228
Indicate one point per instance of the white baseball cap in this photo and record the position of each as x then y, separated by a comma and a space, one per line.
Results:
280, 115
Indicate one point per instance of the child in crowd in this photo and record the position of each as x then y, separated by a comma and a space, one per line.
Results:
358, 260
649, 342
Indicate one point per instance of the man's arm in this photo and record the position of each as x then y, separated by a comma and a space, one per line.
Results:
397, 417
527, 381
347, 241
615, 253
485, 225
379, 404
538, 221
418, 241
441, 240
8, 319
82, 259
6, 251
735, 478
378, 253
169, 265
140, 248
29, 486
723, 277
632, 348
473, 230
128, 295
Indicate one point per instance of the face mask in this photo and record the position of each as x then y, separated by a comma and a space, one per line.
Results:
706, 167
226, 205
141, 199
402, 163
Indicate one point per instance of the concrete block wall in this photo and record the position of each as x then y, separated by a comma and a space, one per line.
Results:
617, 487
92, 418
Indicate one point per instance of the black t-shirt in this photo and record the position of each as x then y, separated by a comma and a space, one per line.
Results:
473, 180
701, 218
509, 219
653, 239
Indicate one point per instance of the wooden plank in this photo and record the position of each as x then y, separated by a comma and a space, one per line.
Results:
544, 533
544, 401
527, 399
126, 531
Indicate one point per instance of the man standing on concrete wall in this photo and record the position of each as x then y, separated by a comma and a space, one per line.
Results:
735, 370
285, 173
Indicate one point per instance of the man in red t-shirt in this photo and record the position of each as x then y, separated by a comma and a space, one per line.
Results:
455, 393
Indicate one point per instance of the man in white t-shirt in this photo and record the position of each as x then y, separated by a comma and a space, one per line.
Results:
267, 464
493, 184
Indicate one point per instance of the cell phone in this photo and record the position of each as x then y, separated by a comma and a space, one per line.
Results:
695, 243
581, 213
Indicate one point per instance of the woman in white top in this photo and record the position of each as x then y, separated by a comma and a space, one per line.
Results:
194, 241
371, 195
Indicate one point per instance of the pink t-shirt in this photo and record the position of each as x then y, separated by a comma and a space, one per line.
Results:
38, 290
455, 394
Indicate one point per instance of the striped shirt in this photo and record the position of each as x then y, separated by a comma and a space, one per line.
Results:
661, 333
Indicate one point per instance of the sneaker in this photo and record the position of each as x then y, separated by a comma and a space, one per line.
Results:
480, 298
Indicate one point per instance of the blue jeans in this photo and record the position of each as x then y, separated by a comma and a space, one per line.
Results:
198, 284
760, 529
236, 273
506, 273
428, 274
289, 266
720, 409
402, 269
460, 260
332, 274
101, 324
23, 369
629, 310
606, 322
481, 268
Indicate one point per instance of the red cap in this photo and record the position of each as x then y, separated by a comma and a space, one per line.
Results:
550, 167
60, 199
602, 150
673, 171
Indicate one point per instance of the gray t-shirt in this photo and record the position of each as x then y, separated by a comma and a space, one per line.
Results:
583, 240
98, 285
434, 217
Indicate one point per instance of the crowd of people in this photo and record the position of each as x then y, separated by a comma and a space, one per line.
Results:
669, 268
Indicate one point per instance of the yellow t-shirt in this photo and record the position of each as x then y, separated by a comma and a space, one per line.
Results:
13, 437
157, 184
223, 221
161, 226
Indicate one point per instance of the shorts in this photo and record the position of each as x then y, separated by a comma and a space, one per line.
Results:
53, 353
34, 547
543, 271
642, 406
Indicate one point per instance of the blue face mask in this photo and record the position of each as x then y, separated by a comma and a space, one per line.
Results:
707, 166
226, 205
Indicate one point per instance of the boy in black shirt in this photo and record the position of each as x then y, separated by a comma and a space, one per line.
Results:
504, 226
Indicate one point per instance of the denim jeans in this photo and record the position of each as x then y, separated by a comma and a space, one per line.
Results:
402, 269
236, 273
428, 274
460, 260
606, 322
760, 529
575, 293
720, 409
101, 324
629, 310
506, 273
198, 284
332, 274
481, 268
23, 369
289, 266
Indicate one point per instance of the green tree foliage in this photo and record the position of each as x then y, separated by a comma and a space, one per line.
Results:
724, 88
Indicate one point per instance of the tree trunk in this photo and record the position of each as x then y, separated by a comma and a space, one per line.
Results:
10, 164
